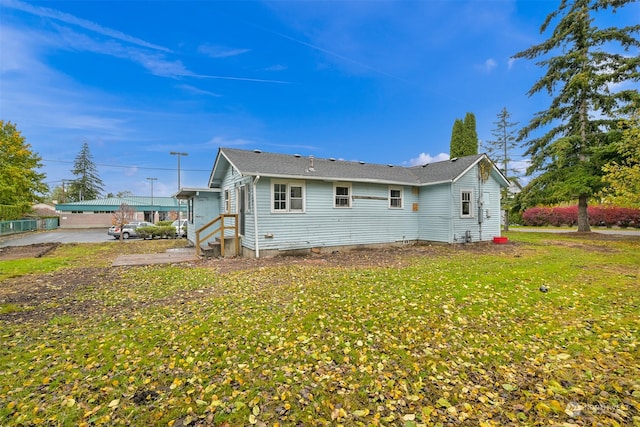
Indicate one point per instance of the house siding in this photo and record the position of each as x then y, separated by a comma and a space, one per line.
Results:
232, 180
369, 220
489, 191
435, 211
430, 212
206, 206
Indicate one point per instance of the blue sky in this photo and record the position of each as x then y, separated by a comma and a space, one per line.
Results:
375, 81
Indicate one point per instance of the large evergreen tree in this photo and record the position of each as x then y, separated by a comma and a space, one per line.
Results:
20, 183
623, 177
505, 140
456, 146
88, 184
582, 72
498, 151
464, 137
470, 135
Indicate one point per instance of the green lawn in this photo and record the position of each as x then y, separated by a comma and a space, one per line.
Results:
451, 338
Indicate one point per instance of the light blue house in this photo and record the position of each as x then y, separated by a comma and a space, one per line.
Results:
290, 202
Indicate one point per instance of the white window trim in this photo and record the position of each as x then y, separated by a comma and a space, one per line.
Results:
470, 215
401, 189
288, 185
349, 198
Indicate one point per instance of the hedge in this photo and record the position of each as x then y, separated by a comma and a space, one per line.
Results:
608, 216
153, 231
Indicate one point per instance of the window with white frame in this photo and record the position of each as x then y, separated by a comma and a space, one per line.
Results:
465, 203
395, 197
287, 196
227, 201
342, 195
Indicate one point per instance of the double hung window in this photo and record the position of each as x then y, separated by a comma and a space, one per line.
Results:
465, 204
395, 197
227, 201
342, 195
287, 197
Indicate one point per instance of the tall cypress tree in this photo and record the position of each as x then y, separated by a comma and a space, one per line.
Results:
583, 70
88, 184
456, 146
470, 135
464, 138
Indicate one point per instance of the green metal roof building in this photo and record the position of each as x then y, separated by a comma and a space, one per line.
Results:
112, 204
99, 212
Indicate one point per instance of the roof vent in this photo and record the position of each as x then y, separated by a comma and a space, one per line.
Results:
390, 165
425, 165
361, 162
331, 159
257, 151
454, 159
297, 156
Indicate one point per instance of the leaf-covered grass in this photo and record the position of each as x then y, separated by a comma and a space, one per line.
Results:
454, 337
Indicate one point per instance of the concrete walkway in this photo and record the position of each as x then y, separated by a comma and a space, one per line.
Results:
170, 257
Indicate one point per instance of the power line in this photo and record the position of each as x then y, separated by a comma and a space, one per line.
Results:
130, 167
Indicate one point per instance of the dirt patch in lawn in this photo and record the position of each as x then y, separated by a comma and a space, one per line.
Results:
41, 297
36, 250
384, 257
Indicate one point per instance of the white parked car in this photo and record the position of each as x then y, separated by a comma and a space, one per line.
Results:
129, 230
181, 227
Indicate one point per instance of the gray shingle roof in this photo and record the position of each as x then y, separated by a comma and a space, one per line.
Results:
255, 163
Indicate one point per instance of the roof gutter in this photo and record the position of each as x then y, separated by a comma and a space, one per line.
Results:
331, 179
255, 216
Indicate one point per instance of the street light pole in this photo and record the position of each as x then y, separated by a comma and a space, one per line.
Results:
175, 153
153, 216
179, 154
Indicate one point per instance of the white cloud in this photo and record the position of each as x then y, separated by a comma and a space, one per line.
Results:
220, 52
520, 166
510, 63
222, 141
488, 65
425, 158
79, 22
197, 91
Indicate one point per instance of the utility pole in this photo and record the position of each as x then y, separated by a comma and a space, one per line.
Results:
179, 154
153, 216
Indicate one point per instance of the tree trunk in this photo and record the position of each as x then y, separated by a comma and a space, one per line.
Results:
506, 220
583, 216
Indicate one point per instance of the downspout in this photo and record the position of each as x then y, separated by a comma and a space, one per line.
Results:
255, 216
480, 205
